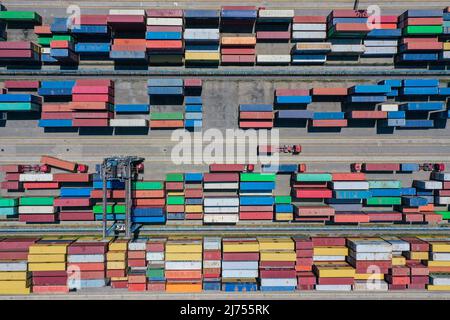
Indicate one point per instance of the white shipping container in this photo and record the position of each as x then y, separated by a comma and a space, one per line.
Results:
441, 176
128, 123
138, 245
364, 285
36, 177
46, 50
380, 43
240, 265
239, 273
442, 200
300, 35
370, 246
135, 12
37, 209
329, 258
267, 13
223, 210
14, 266
183, 265
333, 287
367, 256
212, 243
214, 264
73, 258
154, 256
440, 256
282, 282
220, 218
381, 51
309, 27
273, 58
201, 34
347, 49
223, 186
164, 21
229, 202
389, 107
399, 245
299, 59
349, 185
440, 279
428, 185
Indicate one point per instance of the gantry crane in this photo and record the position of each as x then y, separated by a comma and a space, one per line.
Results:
124, 169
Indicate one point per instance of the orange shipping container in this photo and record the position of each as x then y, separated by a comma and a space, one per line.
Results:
184, 287
238, 41
58, 163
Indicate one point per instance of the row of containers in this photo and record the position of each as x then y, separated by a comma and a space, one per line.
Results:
58, 190
389, 104
196, 264
233, 35
177, 103
74, 104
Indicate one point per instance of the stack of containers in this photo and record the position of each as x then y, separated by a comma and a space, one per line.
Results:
93, 101
445, 54
221, 203
312, 187
11, 177
20, 102
277, 264
164, 92
372, 259
283, 208
304, 249
240, 257
421, 29
238, 20
330, 266
137, 265
193, 104
256, 196
19, 51
44, 36
74, 204
165, 36
175, 196
115, 209
202, 37
14, 275
86, 263
346, 28
37, 209
418, 253
296, 100
384, 193
274, 25
382, 39
148, 202
129, 44
60, 114
439, 265
212, 263
256, 116
442, 196
310, 32
8, 208
398, 247
183, 266
193, 193
93, 36
116, 263
47, 262
155, 256
347, 191
62, 50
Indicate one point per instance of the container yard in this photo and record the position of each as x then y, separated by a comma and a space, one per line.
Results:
205, 150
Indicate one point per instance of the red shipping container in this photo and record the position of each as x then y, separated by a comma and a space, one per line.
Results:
76, 216
398, 280
329, 123
413, 217
329, 91
292, 92
417, 244
256, 115
368, 114
92, 98
305, 261
255, 124
423, 21
432, 217
166, 13
173, 208
13, 177
14, 255
340, 217
240, 256
16, 54
93, 19
335, 281
255, 208
21, 84
227, 167
314, 210
164, 29
192, 82
348, 176
256, 215
156, 286
221, 177
148, 193
71, 177
238, 58
90, 122
432, 46
37, 218
418, 269
446, 185
136, 254
117, 273
60, 44
419, 280
174, 185
56, 115
193, 193
10, 185
384, 216
328, 241
94, 82
53, 107
164, 45
358, 27
41, 185
17, 244
92, 89
89, 275
119, 284
114, 194
51, 289
137, 287
58, 163
136, 263
90, 266
238, 51
381, 167
72, 202
45, 281
88, 248
166, 124
17, 45
149, 202
303, 244
273, 35
313, 193
42, 30
277, 274
11, 168
399, 271
212, 255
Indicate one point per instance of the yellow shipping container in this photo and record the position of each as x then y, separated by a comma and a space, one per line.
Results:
175, 193
115, 265
119, 279
202, 56
183, 247
118, 246
48, 249
446, 45
398, 261
53, 266
177, 256
277, 256
116, 256
14, 287
330, 251
440, 247
431, 263
242, 41
240, 246
191, 208
275, 244
284, 216
418, 255
46, 258
336, 272
366, 276
14, 275
432, 287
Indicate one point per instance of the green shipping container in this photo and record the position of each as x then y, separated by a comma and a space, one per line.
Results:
9, 202
36, 201
314, 177
18, 106
283, 199
166, 116
176, 200
175, 177
148, 185
63, 37
119, 208
444, 214
155, 273
8, 211
44, 40
258, 177
26, 16
413, 30
384, 201
384, 184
